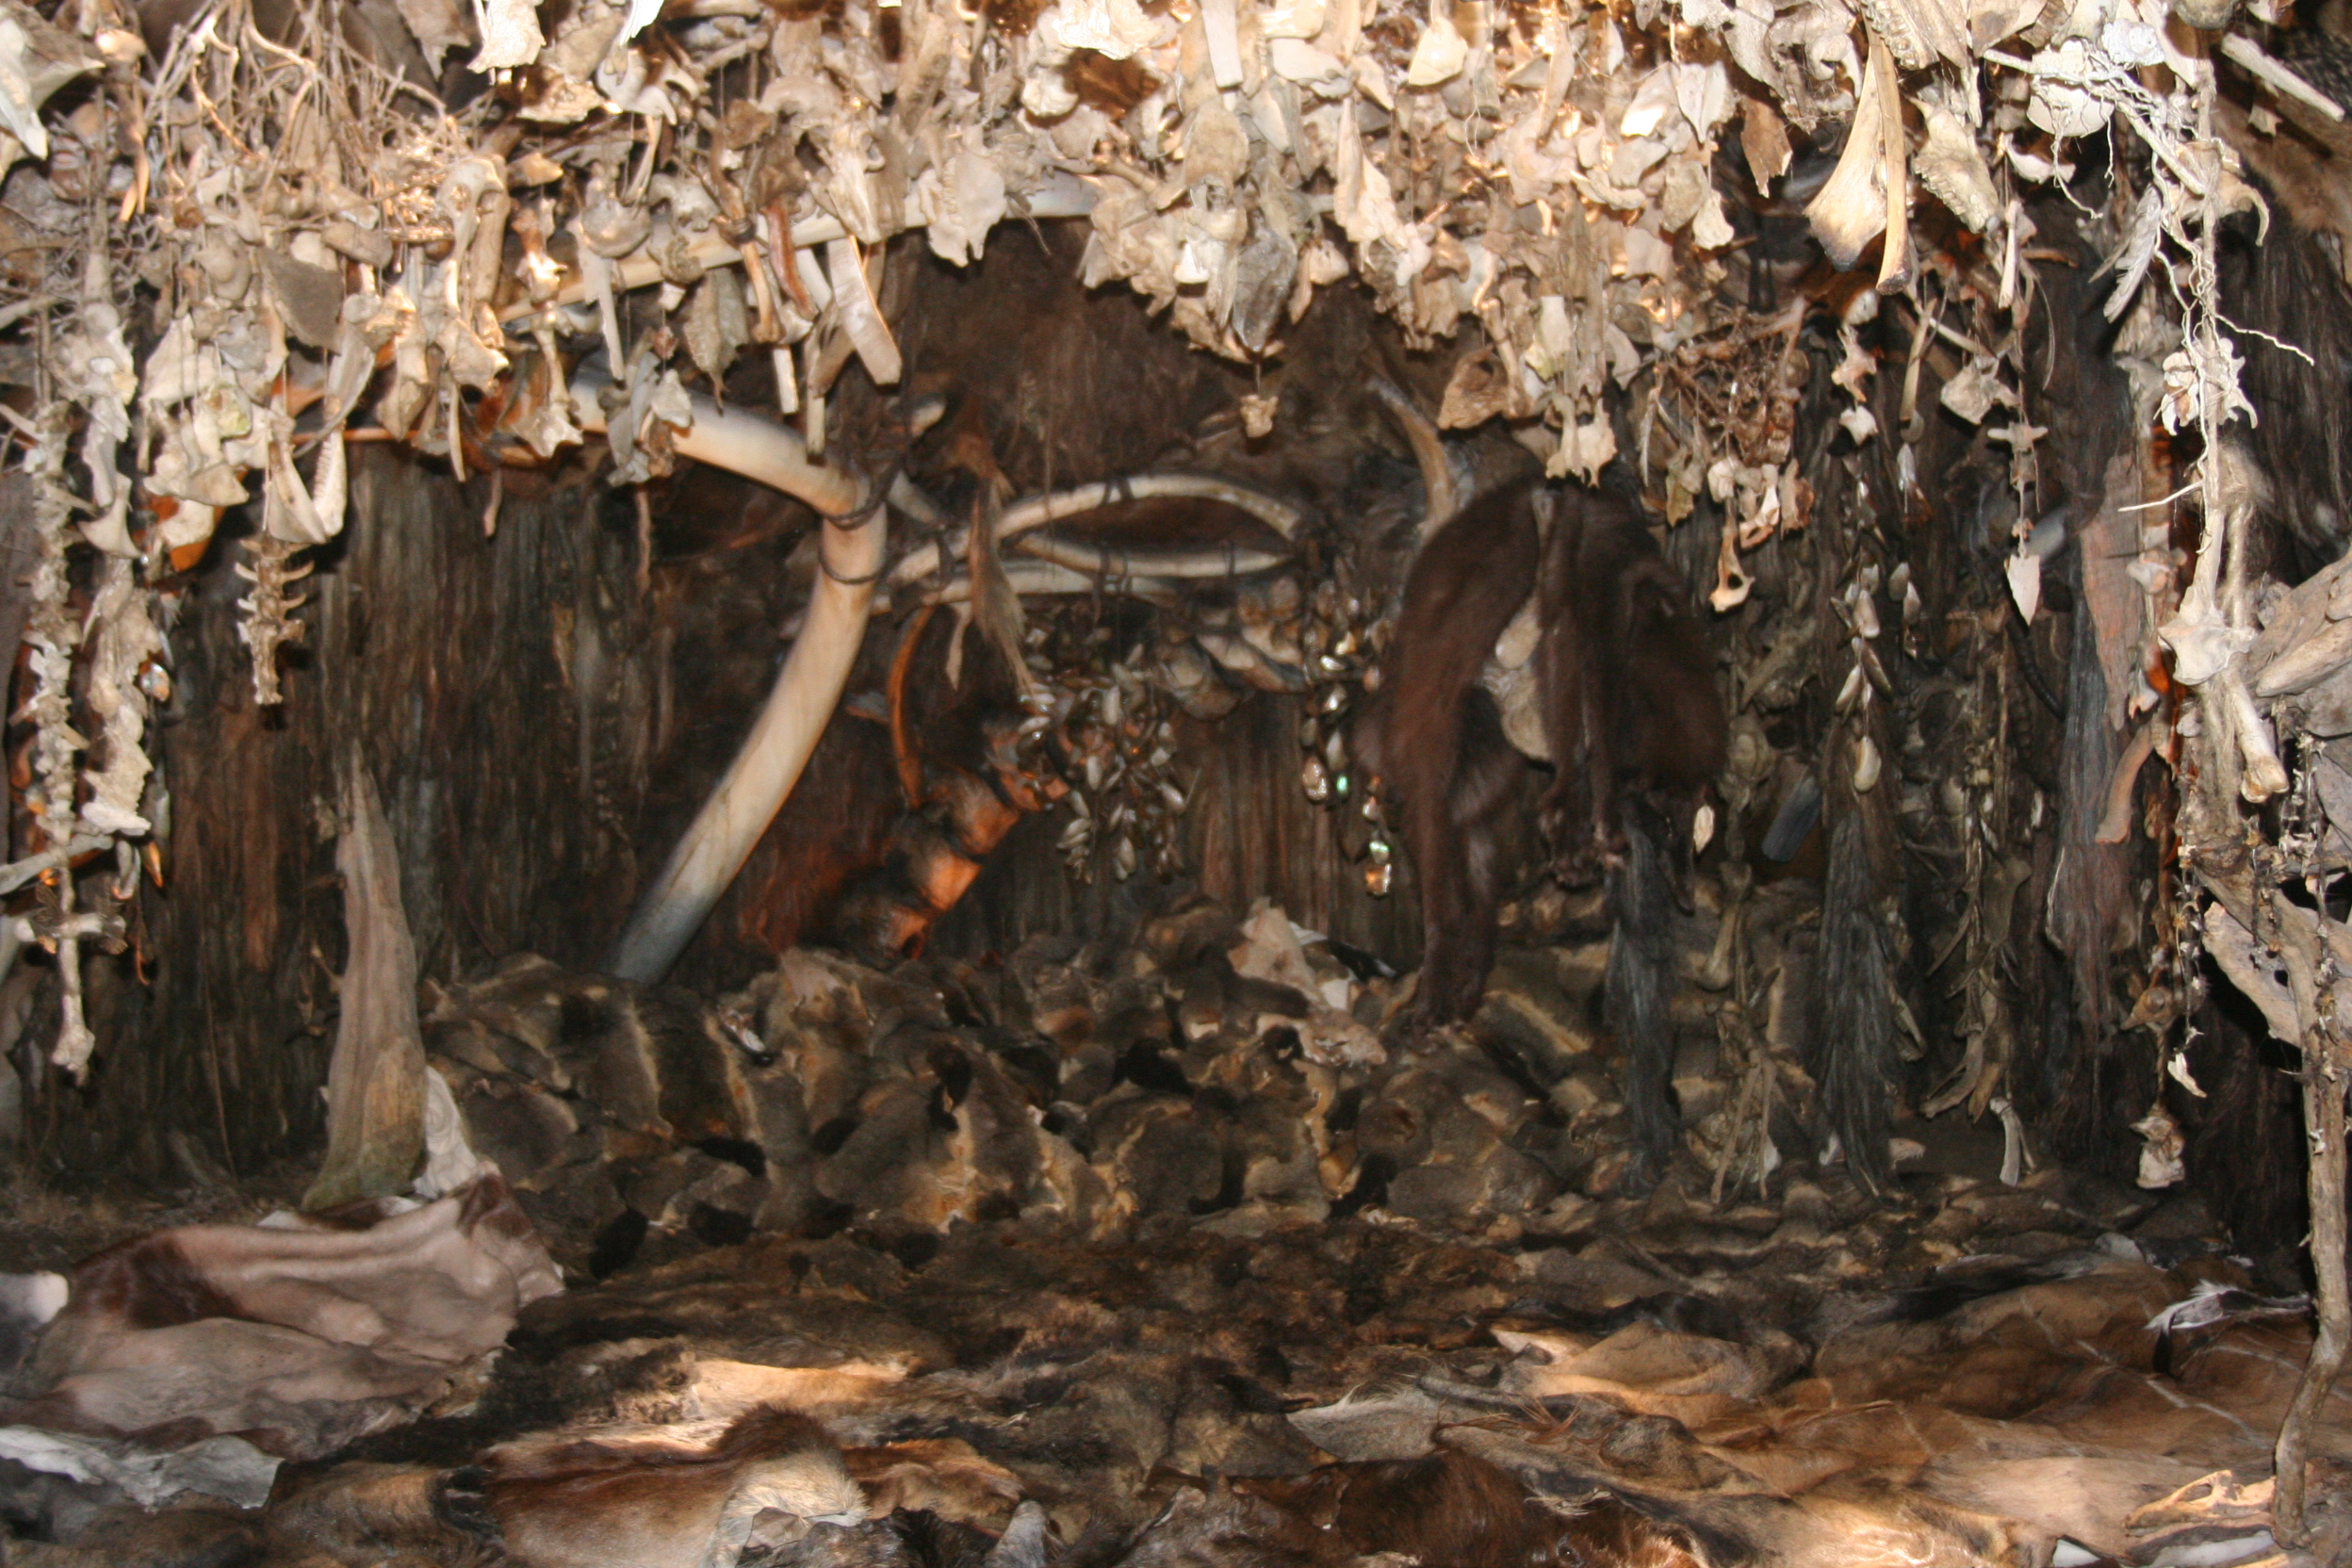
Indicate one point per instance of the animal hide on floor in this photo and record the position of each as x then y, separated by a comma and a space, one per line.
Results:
1126, 1406
297, 1338
1152, 1255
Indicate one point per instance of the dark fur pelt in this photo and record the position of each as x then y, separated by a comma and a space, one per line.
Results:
354, 1508
1630, 708
1444, 1508
1853, 1055
191, 1536
1635, 990
1233, 1530
1435, 739
2089, 898
1945, 1291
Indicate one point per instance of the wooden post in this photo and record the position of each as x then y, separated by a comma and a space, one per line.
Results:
2324, 1072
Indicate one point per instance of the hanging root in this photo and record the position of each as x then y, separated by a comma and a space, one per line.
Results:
1853, 1054
1634, 990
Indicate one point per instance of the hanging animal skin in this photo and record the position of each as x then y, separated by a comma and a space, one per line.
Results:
1436, 739
1636, 729
1629, 682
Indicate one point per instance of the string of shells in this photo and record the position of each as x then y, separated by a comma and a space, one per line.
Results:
1343, 641
1114, 740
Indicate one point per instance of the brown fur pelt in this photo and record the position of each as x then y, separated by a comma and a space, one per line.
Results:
1629, 698
1636, 729
1435, 739
651, 1498
1448, 1509
2089, 905
355, 1509
943, 1477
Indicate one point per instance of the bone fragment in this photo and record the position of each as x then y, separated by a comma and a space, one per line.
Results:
2278, 77
1044, 579
2308, 662
642, 270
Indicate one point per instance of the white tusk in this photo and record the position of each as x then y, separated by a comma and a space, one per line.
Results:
1113, 566
761, 777
1034, 512
743, 443
1044, 579
1442, 493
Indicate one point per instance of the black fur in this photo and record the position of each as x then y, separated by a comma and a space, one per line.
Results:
1854, 1053
1629, 701
1636, 987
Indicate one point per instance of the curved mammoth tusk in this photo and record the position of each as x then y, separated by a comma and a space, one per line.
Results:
761, 778
1045, 578
743, 443
1034, 512
1440, 486
1113, 567
1042, 580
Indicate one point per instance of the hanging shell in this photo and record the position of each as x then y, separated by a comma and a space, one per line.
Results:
1866, 765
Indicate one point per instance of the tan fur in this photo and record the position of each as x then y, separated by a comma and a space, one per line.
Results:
651, 1500
941, 1476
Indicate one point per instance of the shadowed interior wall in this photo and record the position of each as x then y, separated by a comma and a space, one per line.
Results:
1249, 833
512, 693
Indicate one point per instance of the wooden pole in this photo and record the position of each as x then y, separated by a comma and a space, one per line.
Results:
2323, 1081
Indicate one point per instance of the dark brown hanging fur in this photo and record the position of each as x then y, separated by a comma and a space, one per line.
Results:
1854, 1057
1630, 698
1434, 737
1635, 988
1636, 729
